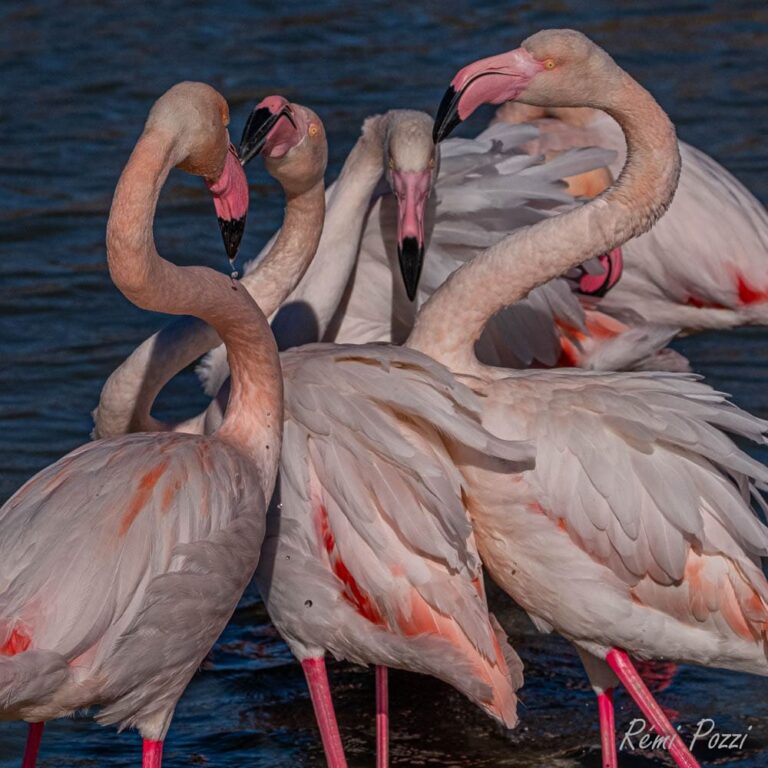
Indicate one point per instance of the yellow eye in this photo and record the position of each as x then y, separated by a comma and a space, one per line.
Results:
391, 164
431, 162
313, 129
549, 64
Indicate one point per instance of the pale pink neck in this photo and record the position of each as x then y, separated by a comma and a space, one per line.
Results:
278, 273
254, 416
450, 323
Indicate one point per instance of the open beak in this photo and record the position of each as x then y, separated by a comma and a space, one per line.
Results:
412, 189
488, 81
597, 285
230, 199
265, 122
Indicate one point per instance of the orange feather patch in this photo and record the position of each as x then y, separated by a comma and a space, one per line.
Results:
142, 495
352, 592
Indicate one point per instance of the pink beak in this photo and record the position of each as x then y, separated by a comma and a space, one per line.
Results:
412, 190
230, 199
487, 81
598, 285
271, 128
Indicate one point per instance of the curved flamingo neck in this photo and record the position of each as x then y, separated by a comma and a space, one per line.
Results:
277, 274
253, 420
127, 397
450, 323
321, 290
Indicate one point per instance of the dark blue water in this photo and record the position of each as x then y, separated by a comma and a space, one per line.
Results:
77, 81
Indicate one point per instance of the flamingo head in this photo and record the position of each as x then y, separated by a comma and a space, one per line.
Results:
411, 161
198, 116
553, 68
290, 138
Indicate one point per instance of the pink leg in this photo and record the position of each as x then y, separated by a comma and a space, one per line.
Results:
320, 693
153, 754
34, 737
607, 728
382, 717
623, 668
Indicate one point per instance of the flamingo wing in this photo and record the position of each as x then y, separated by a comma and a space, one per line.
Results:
711, 248
367, 454
127, 555
638, 469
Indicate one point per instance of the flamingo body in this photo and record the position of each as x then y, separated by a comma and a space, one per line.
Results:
655, 549
370, 555
151, 532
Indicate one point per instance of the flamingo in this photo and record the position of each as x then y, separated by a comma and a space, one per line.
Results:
122, 562
703, 266
369, 553
483, 189
634, 532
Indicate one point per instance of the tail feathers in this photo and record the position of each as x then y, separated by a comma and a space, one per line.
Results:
30, 677
505, 676
514, 662
490, 675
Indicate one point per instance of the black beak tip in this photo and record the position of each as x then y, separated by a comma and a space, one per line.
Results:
258, 125
232, 234
410, 254
447, 117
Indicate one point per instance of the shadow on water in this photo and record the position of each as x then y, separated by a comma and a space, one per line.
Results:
77, 83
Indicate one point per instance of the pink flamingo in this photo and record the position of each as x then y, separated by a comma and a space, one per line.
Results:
123, 561
634, 532
704, 264
370, 554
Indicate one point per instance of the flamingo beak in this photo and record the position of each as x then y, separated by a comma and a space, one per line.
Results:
597, 285
412, 189
230, 199
266, 130
447, 117
488, 81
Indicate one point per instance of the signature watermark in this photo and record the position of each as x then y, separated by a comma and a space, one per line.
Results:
639, 735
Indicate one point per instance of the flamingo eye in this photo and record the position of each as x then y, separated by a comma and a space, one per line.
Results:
391, 164
549, 64
313, 129
431, 162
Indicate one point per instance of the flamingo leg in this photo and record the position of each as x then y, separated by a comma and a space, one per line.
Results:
320, 693
382, 717
607, 728
152, 756
623, 668
34, 737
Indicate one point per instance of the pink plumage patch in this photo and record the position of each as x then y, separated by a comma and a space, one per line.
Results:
599, 326
142, 495
18, 642
694, 301
748, 294
353, 593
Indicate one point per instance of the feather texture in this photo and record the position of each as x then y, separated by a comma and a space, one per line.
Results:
105, 551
